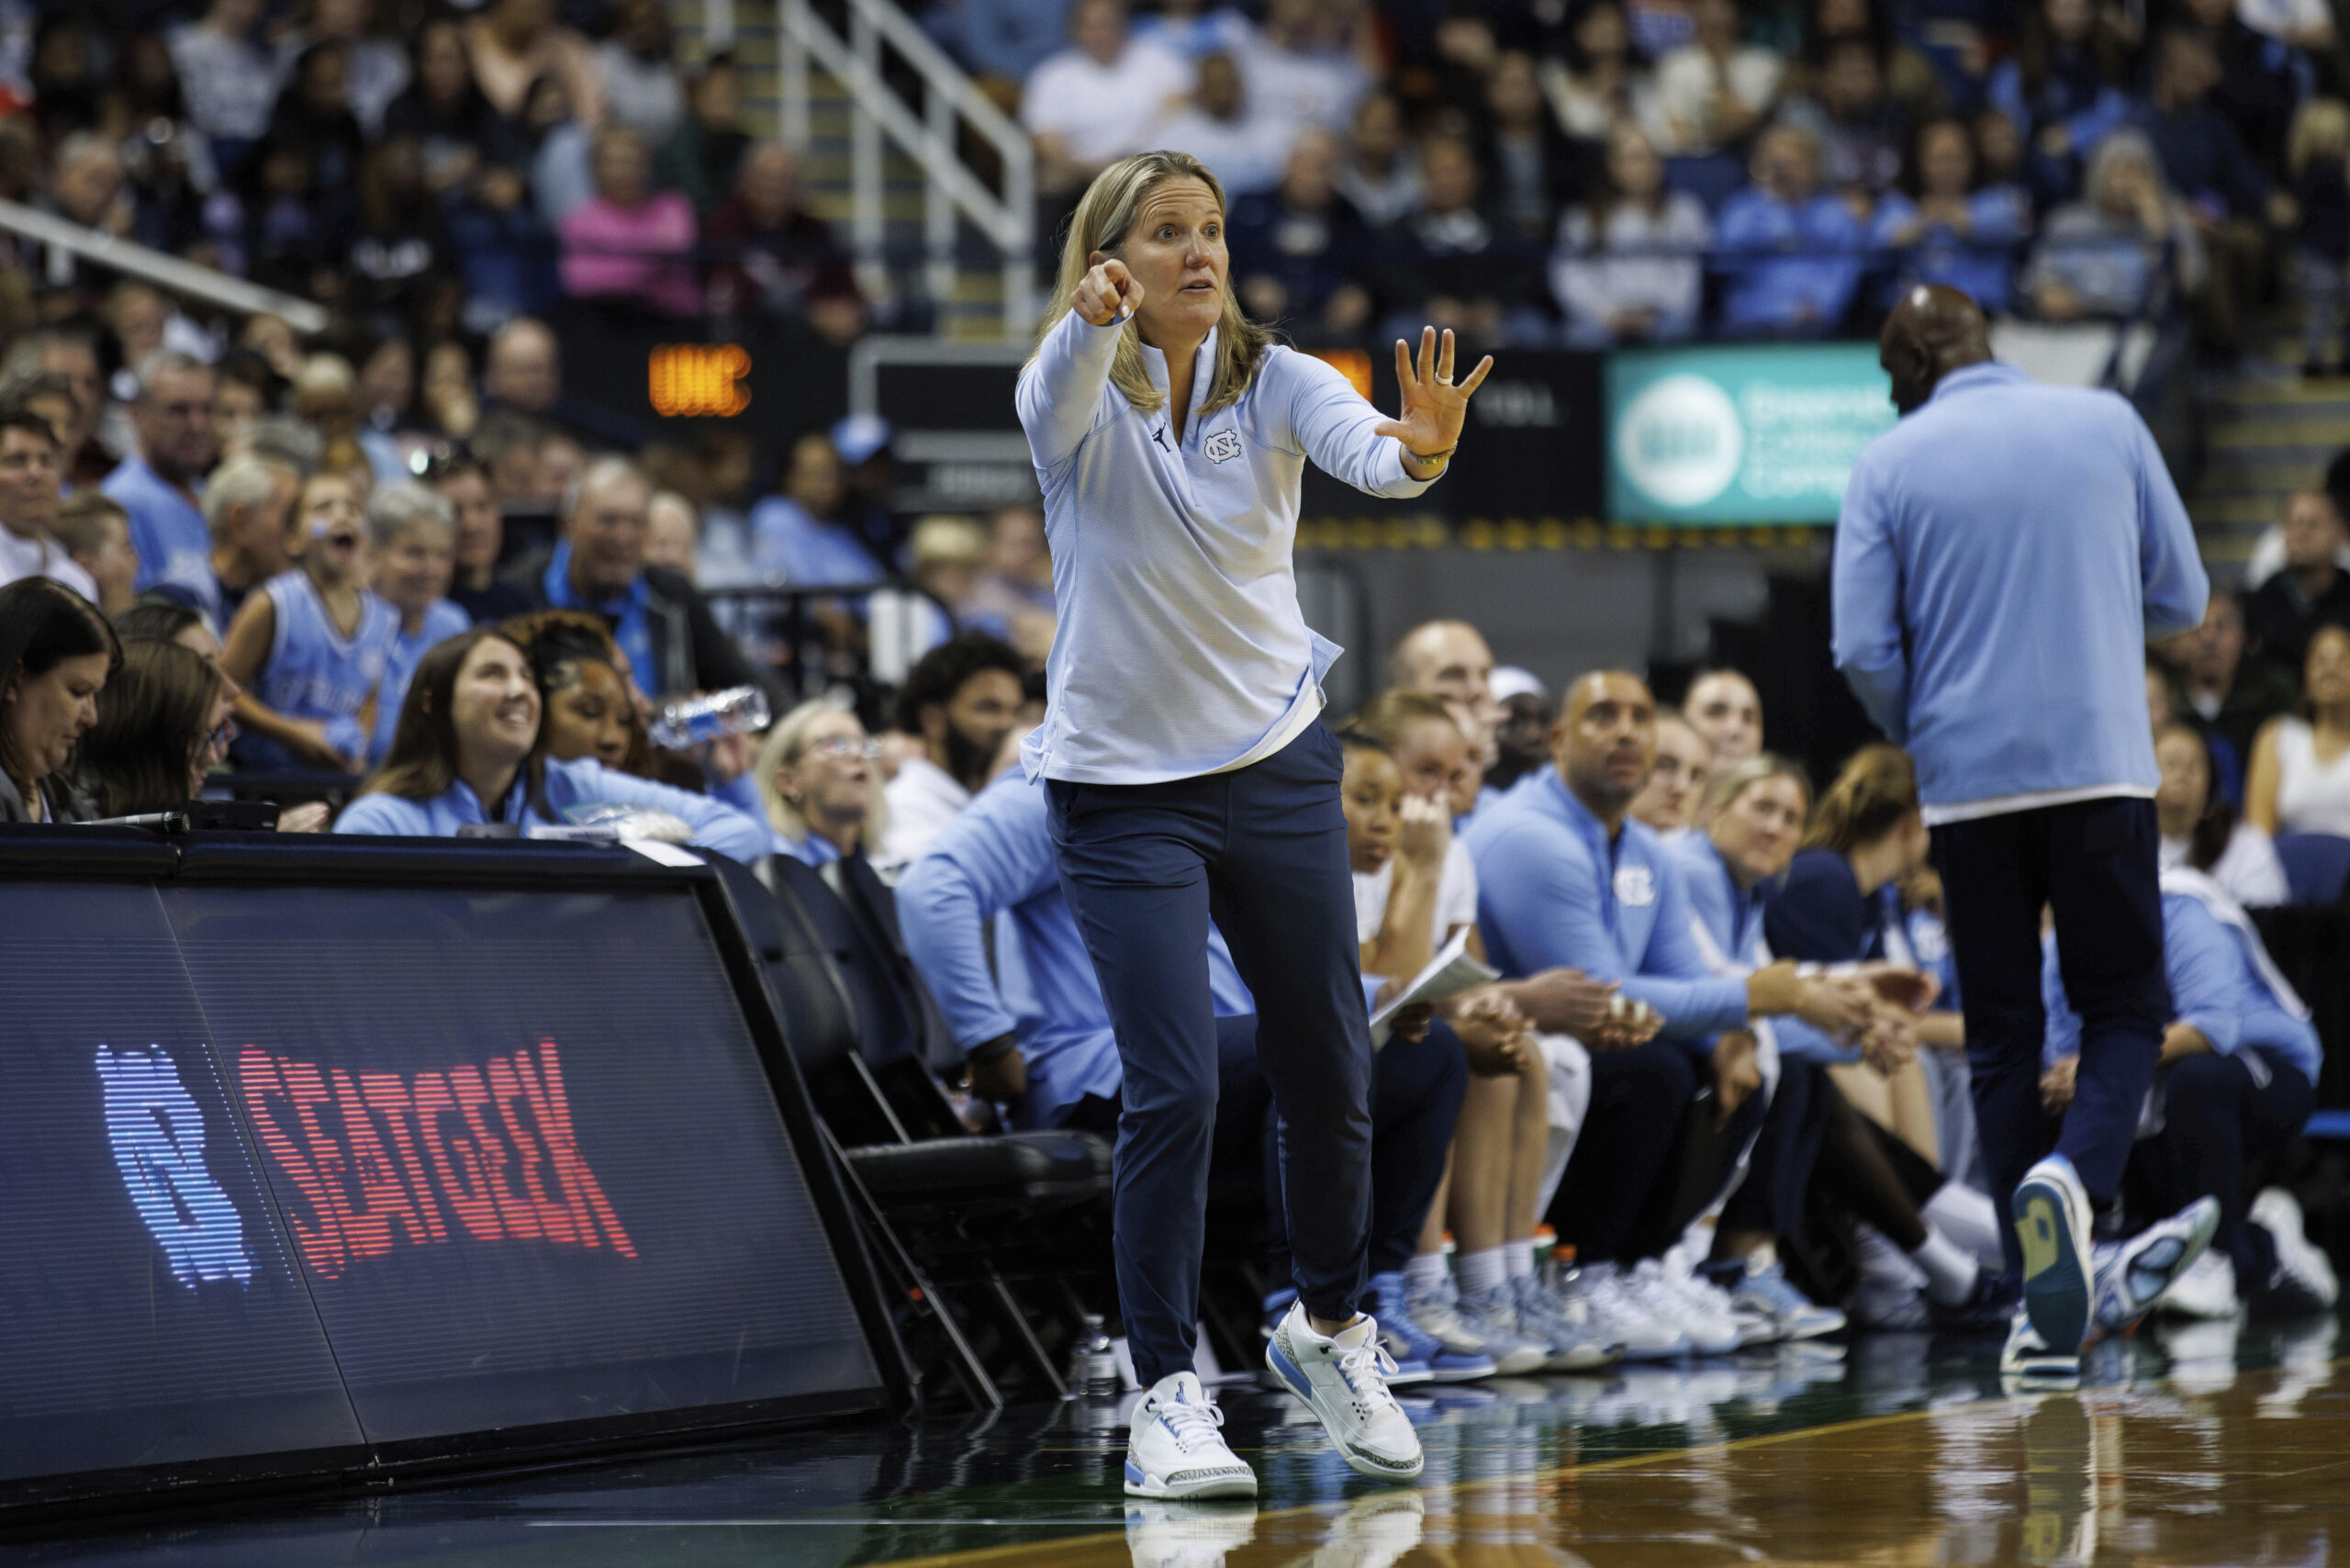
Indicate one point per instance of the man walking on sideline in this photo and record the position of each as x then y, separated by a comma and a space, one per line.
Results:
2002, 556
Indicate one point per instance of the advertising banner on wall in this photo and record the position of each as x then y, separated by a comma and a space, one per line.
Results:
1737, 435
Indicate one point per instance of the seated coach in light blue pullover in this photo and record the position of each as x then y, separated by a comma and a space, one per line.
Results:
466, 754
2002, 556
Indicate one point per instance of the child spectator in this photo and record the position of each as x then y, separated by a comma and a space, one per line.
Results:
2316, 157
2125, 246
311, 648
631, 246
1629, 264
1946, 229
1792, 251
411, 555
96, 532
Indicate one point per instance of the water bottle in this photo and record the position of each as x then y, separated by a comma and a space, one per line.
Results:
1093, 1365
690, 721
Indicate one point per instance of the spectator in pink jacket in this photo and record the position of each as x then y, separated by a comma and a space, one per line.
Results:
630, 245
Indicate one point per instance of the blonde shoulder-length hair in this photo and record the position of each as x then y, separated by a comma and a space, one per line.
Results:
1104, 217
785, 745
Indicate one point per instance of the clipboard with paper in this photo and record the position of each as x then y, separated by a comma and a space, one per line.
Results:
1449, 973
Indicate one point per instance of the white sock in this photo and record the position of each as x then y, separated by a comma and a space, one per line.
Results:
1425, 1273
1950, 1269
1967, 1217
1481, 1270
1519, 1257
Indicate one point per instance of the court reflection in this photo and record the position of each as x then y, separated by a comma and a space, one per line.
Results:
2173, 1455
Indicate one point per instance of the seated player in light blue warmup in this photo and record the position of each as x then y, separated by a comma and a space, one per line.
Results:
2239, 1071
467, 754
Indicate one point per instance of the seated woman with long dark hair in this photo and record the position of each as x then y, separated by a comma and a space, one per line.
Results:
154, 740
468, 753
2201, 831
57, 652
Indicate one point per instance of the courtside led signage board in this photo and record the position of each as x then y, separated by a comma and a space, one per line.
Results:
690, 381
1760, 433
333, 1170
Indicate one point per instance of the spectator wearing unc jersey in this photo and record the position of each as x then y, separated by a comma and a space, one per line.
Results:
467, 754
820, 779
28, 501
962, 698
1791, 252
161, 485
2077, 541
1567, 881
2299, 781
56, 655
1629, 264
310, 648
661, 623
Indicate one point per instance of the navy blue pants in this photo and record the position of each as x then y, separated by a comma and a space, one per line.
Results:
1261, 850
2220, 1114
2094, 861
1416, 1094
1627, 1191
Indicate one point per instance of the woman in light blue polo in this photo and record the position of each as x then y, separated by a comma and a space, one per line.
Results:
467, 754
1187, 775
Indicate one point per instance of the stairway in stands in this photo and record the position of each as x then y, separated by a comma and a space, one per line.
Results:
2267, 433
975, 310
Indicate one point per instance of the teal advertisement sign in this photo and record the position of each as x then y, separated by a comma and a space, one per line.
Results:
1760, 433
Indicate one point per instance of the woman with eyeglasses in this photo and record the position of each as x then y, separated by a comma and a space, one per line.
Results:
818, 772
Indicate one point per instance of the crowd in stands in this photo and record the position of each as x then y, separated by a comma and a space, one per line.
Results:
1601, 173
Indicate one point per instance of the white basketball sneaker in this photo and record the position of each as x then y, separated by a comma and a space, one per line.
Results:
1342, 1377
1176, 1449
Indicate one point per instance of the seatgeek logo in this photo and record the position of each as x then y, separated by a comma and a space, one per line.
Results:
384, 1160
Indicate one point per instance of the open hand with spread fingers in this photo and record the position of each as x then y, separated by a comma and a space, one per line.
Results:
1434, 409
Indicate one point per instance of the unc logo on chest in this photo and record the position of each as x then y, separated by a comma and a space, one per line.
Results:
1222, 446
1634, 886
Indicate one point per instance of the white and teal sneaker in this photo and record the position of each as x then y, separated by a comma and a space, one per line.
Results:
1409, 1342
2052, 1216
1175, 1451
1342, 1377
1440, 1312
1576, 1345
2132, 1275
1492, 1315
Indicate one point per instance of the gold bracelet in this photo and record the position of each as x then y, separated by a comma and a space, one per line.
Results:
1437, 457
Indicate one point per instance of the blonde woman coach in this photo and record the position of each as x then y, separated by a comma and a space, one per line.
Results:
1187, 776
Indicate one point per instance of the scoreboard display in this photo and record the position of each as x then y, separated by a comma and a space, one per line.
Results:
304, 1177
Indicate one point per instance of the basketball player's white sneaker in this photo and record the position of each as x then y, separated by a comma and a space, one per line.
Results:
1342, 1377
1176, 1449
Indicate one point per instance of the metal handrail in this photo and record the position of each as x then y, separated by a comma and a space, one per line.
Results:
949, 186
137, 261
